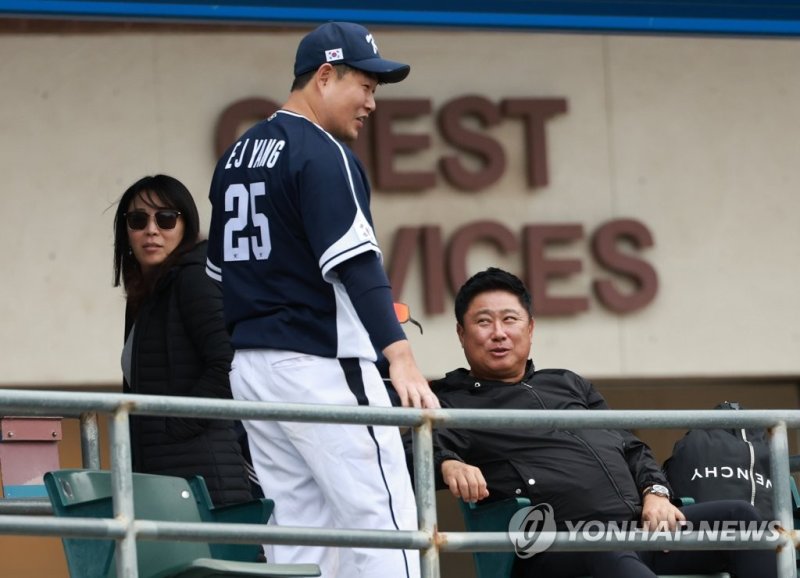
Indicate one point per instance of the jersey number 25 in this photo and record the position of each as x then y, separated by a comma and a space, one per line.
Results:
242, 201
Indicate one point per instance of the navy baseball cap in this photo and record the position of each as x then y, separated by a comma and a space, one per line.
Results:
350, 44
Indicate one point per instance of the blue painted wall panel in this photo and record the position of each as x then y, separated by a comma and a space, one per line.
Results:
646, 16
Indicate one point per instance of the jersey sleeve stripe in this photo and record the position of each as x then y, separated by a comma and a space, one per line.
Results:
213, 271
349, 253
210, 265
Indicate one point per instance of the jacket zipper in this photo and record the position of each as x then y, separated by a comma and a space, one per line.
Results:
752, 467
590, 449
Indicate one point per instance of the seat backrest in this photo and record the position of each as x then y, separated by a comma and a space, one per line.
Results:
795, 501
491, 517
82, 494
87, 493
257, 511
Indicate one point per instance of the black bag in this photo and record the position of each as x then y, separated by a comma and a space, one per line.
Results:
723, 464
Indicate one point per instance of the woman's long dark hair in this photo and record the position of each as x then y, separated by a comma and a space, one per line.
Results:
156, 191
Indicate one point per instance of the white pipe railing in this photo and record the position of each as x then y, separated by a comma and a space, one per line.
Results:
125, 529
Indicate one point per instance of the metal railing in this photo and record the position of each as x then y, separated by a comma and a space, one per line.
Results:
126, 529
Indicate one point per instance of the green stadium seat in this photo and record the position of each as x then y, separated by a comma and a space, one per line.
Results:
253, 512
495, 517
87, 493
491, 517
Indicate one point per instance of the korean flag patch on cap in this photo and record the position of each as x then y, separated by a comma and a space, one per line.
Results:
334, 54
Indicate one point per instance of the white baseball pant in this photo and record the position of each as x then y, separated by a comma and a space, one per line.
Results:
328, 475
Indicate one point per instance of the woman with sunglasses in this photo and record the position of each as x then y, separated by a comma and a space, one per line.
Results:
175, 338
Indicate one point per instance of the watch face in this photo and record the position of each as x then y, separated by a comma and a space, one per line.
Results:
659, 490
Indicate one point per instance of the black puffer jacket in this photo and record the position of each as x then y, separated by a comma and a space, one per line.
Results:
181, 347
582, 474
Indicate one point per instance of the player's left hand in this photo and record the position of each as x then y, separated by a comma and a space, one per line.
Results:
658, 513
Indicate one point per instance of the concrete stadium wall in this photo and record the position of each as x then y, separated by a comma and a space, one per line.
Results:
692, 137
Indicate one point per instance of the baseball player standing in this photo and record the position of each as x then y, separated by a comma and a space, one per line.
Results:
308, 303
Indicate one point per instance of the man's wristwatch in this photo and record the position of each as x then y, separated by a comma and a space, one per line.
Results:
658, 490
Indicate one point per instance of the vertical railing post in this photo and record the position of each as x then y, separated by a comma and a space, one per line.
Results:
90, 444
425, 489
779, 471
122, 489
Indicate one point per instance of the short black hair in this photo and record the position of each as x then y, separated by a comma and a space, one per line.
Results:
492, 279
300, 82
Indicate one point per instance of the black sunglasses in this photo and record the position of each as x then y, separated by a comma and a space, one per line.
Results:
165, 219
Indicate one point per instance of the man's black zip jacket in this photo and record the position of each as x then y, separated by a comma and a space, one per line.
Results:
583, 474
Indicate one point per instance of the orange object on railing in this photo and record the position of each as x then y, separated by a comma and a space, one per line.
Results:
403, 313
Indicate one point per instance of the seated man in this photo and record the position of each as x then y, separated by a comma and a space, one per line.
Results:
600, 475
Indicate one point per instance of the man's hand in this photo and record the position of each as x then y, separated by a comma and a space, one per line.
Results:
465, 481
658, 513
411, 385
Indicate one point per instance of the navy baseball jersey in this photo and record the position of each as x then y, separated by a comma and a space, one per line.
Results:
289, 203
